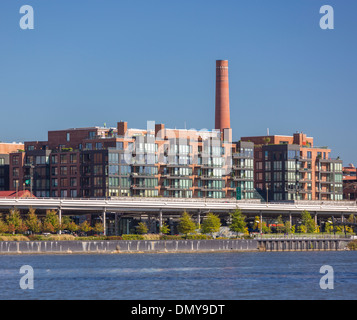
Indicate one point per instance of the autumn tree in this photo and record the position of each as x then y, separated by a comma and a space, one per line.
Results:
3, 226
308, 222
142, 228
51, 222
85, 227
14, 221
211, 224
186, 224
98, 227
238, 223
165, 229
32, 222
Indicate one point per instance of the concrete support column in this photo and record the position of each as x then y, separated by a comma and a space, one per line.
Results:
261, 222
199, 219
116, 223
315, 218
290, 220
149, 222
160, 220
60, 219
104, 222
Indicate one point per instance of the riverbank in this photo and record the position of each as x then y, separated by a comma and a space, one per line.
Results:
169, 246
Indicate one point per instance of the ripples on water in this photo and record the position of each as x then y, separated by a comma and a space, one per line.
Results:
227, 276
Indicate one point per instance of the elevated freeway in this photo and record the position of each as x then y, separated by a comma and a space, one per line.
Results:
132, 205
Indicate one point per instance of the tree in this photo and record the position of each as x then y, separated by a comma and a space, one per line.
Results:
51, 222
32, 222
98, 227
266, 140
256, 225
287, 227
142, 228
211, 224
66, 220
72, 226
351, 218
14, 221
280, 227
308, 222
186, 224
165, 229
85, 227
238, 223
3, 226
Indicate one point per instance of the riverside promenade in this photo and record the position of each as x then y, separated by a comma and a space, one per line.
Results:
170, 246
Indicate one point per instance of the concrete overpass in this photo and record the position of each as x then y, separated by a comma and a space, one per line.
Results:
132, 205
160, 208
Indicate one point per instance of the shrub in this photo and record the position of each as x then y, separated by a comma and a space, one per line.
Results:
59, 237
352, 245
114, 238
171, 237
37, 237
198, 237
14, 238
132, 237
151, 236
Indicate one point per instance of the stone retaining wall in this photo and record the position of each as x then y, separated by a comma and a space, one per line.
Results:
127, 246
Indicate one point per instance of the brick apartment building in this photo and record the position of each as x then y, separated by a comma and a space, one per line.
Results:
291, 167
349, 182
5, 150
112, 162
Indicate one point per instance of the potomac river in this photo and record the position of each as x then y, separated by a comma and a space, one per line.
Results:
200, 276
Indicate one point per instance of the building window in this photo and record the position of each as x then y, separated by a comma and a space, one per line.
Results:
64, 182
15, 172
73, 158
54, 182
15, 160
68, 136
73, 170
54, 159
91, 134
73, 182
63, 158
54, 171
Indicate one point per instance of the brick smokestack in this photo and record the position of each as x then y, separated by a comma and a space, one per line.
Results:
222, 117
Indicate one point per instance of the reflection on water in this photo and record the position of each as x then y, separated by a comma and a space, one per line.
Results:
228, 276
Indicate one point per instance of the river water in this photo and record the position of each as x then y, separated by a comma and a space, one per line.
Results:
202, 276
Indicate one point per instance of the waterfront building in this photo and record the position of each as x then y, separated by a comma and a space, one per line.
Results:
5, 150
292, 168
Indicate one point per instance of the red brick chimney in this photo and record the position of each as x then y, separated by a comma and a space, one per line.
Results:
122, 128
222, 117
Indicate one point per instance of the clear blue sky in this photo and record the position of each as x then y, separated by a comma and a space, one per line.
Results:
92, 62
